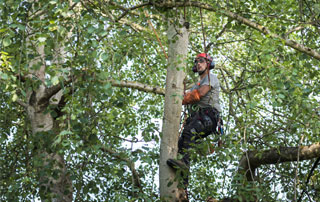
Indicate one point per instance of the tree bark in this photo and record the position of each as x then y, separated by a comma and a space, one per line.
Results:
136, 85
253, 159
53, 180
56, 188
178, 37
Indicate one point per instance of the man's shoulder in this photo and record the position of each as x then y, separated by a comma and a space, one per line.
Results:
213, 76
213, 79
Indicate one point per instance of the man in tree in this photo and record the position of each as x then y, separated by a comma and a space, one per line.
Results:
203, 108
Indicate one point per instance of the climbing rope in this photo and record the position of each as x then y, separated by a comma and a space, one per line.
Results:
203, 32
204, 45
184, 114
154, 31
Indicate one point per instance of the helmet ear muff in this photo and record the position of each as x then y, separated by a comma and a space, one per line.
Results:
194, 67
211, 62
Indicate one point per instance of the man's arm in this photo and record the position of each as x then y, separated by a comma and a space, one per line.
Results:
195, 95
203, 90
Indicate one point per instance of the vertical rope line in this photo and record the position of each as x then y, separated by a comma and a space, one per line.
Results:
155, 33
204, 48
184, 115
297, 169
21, 52
184, 11
203, 34
131, 167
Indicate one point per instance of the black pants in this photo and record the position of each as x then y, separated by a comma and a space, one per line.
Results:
198, 126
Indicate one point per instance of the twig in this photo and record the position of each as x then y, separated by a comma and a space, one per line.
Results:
310, 174
296, 174
23, 104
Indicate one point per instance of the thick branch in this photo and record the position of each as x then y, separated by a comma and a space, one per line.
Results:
127, 10
133, 25
130, 164
138, 86
254, 159
128, 84
256, 26
54, 90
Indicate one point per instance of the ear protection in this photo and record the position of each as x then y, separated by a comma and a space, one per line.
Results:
210, 62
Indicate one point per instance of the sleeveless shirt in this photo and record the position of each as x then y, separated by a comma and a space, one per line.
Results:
211, 99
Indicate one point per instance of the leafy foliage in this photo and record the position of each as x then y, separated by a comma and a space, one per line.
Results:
270, 95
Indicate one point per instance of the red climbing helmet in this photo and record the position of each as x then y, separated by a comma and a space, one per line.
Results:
202, 55
211, 63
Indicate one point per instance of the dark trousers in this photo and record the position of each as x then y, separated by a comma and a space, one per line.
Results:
198, 126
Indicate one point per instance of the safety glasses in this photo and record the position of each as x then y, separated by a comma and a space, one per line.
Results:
199, 60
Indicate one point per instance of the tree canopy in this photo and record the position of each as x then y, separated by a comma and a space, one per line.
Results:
84, 84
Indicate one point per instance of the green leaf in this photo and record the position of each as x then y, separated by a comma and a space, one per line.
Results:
91, 29
123, 33
42, 39
281, 96
14, 97
21, 27
170, 183
4, 76
55, 80
104, 33
53, 2
7, 42
65, 132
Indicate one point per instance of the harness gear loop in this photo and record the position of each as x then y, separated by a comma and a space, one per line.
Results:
195, 108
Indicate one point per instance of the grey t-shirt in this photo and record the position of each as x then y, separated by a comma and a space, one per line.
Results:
211, 99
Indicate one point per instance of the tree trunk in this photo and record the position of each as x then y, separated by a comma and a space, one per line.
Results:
53, 180
178, 47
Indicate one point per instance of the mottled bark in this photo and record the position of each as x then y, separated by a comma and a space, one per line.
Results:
253, 159
58, 187
54, 181
138, 86
172, 109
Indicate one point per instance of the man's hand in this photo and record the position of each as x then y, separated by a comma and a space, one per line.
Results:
191, 97
195, 95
